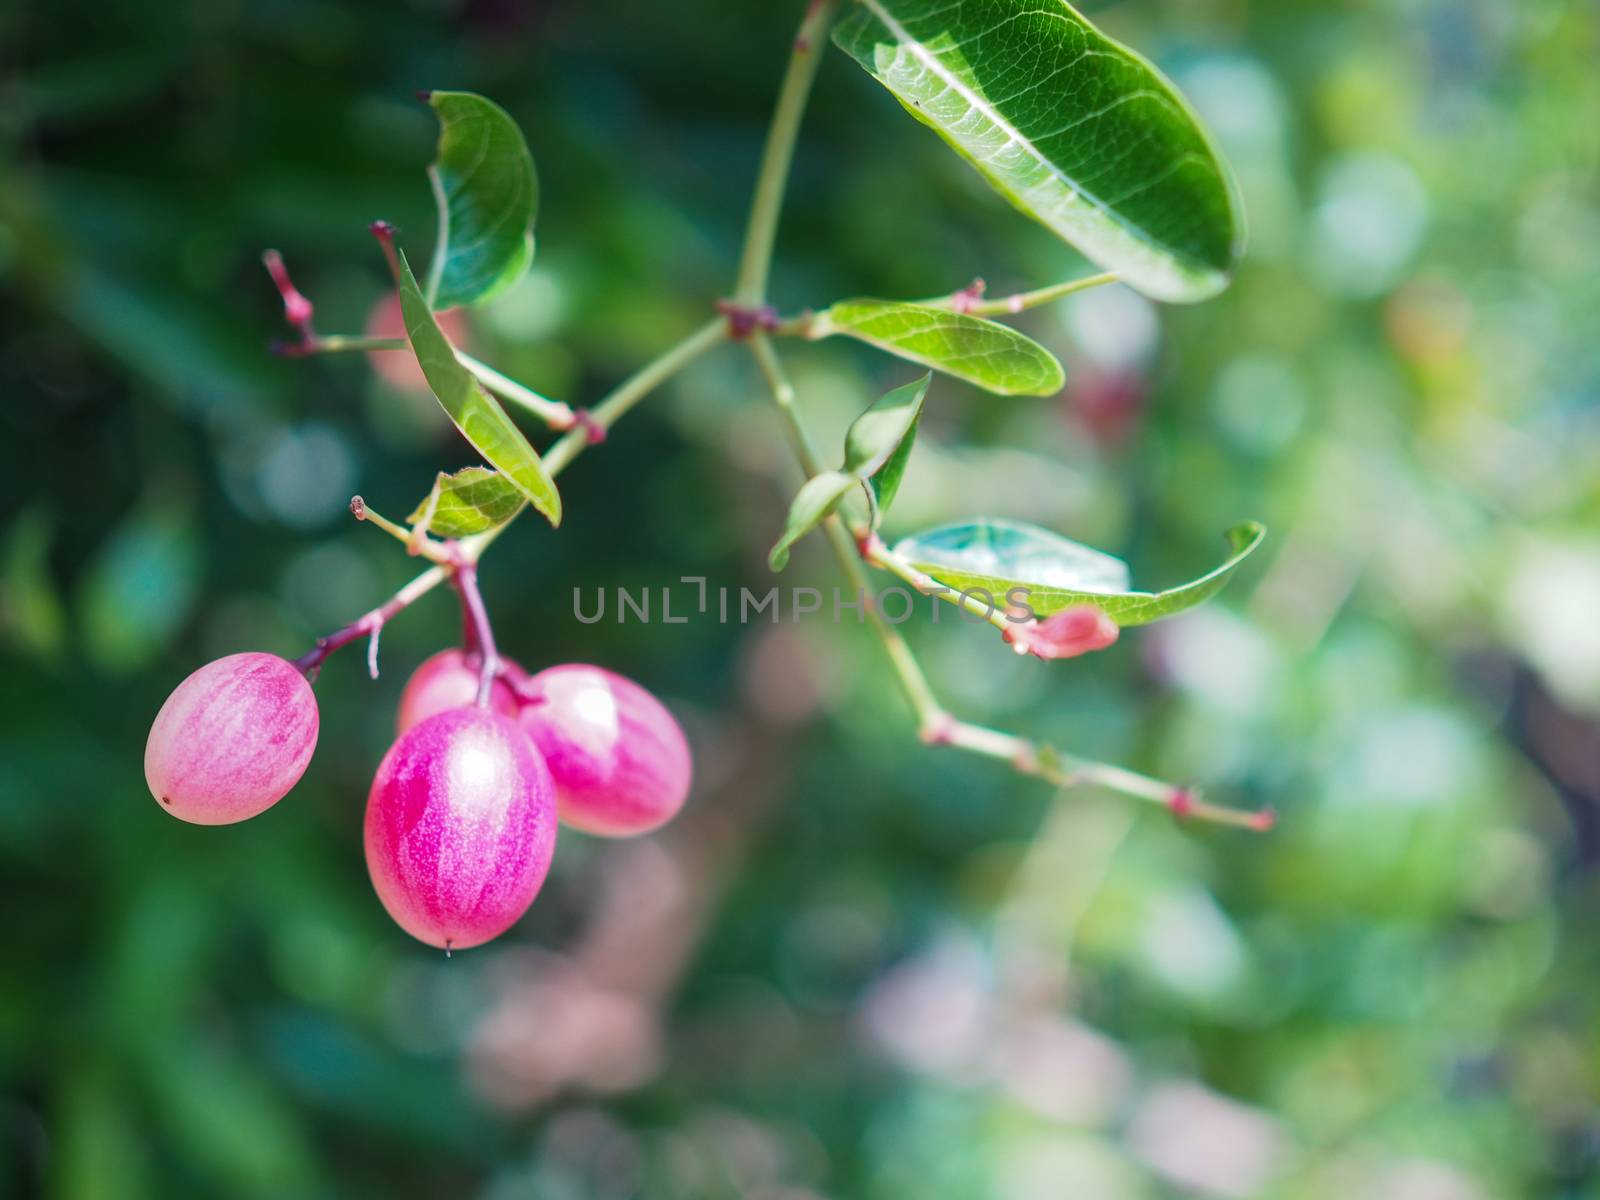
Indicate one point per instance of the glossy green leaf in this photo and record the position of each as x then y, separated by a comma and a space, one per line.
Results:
812, 504
1057, 572
487, 194
473, 500
1076, 130
476, 414
876, 434
995, 357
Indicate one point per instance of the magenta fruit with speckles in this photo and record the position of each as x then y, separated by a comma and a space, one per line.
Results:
461, 824
232, 739
449, 680
619, 760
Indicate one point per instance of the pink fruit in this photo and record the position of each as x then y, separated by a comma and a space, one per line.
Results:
460, 828
619, 760
448, 680
232, 739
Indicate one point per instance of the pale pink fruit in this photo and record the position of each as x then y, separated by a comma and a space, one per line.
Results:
619, 760
232, 739
449, 680
461, 825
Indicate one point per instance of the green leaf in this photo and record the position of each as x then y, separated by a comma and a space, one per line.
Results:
476, 414
876, 434
886, 483
1078, 132
473, 500
812, 504
487, 193
993, 356
1058, 573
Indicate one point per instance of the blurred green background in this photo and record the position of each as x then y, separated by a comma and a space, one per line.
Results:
855, 967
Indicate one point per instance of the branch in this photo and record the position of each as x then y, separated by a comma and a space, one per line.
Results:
755, 263
607, 413
969, 299
297, 310
936, 726
369, 625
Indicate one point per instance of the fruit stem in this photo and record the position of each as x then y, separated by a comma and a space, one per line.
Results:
370, 624
477, 617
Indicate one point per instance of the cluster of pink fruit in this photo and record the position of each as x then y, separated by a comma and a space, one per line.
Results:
461, 820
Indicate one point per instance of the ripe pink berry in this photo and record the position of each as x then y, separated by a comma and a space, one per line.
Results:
232, 739
619, 760
449, 680
461, 825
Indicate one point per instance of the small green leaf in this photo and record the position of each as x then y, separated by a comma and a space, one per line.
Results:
812, 504
886, 483
473, 500
1077, 131
476, 414
876, 434
1058, 573
993, 356
487, 194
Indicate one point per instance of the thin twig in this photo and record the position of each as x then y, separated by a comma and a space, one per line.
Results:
761, 231
968, 299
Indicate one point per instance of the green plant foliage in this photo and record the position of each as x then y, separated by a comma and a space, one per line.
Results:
473, 500
1058, 573
476, 414
986, 353
1077, 131
487, 194
812, 505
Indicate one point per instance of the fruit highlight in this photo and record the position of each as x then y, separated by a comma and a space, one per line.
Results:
460, 828
619, 760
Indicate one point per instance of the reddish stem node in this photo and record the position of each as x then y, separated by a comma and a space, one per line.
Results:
745, 319
938, 730
1181, 802
594, 433
967, 298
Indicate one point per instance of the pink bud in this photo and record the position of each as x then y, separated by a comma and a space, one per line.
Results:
1069, 633
460, 828
232, 739
449, 680
620, 761
296, 308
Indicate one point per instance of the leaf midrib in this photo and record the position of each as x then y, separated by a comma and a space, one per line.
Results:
1014, 135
